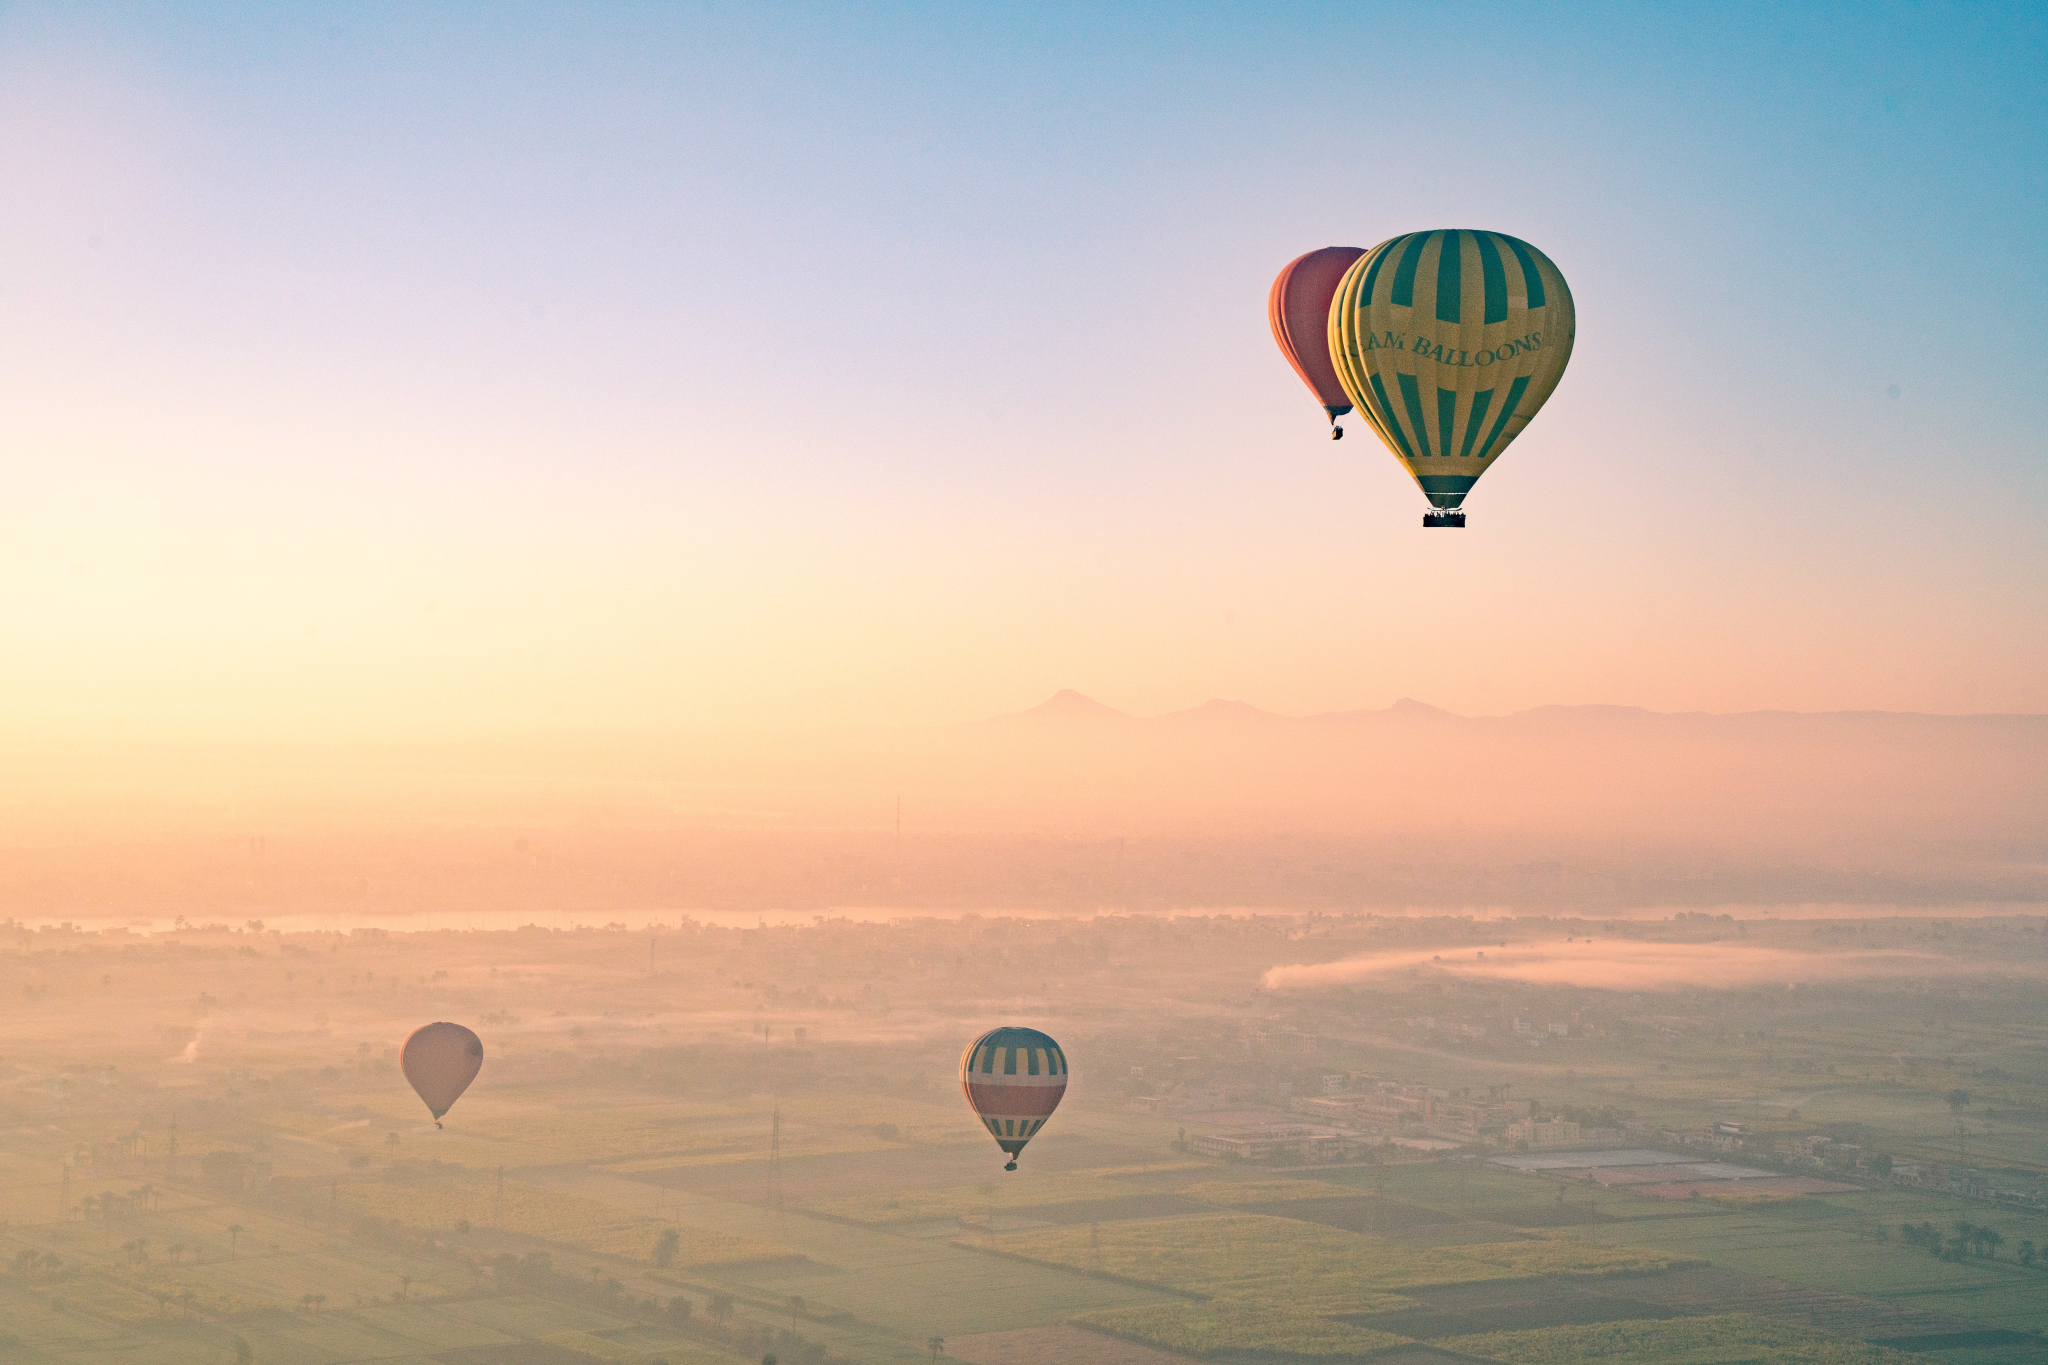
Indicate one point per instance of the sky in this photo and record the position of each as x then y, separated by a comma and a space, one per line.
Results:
402, 372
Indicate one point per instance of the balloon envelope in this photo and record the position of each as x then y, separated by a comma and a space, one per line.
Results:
1448, 342
441, 1060
1013, 1077
1299, 309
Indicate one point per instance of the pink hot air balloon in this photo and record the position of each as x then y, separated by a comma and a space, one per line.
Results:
441, 1060
1299, 309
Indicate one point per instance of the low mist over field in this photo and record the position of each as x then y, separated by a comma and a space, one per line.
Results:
708, 1143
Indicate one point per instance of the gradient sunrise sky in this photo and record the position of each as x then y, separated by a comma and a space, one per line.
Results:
408, 370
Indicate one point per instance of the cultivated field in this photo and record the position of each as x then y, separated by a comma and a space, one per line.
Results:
631, 1180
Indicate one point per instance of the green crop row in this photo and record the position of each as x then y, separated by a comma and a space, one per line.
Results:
1203, 1329
1314, 1268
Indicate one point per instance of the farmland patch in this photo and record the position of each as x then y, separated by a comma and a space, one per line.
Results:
1233, 1326
1054, 1346
550, 1214
1238, 1193
1677, 1341
1382, 1217
1311, 1267
1523, 1307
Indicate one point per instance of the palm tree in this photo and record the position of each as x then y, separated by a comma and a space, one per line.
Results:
405, 1286
234, 1236
176, 1249
936, 1344
796, 1305
319, 1301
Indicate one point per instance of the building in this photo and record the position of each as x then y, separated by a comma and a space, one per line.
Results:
1544, 1132
1339, 1111
1301, 1141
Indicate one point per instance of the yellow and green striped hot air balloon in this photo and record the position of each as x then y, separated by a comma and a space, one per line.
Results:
1448, 342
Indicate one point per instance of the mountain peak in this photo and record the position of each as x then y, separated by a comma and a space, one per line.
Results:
1067, 704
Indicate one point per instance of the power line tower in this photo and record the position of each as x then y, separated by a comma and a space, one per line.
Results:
775, 1164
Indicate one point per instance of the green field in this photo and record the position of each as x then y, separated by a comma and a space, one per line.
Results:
1237, 1325
913, 1205
1714, 1340
1322, 1269
286, 1193
1832, 1242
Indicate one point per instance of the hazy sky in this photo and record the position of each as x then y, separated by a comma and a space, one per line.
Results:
410, 370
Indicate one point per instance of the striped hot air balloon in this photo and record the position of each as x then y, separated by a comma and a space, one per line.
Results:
1448, 342
1013, 1078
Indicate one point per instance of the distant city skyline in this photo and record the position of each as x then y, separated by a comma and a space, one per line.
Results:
389, 374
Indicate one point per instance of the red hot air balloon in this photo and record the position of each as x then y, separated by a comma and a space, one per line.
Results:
441, 1060
1299, 309
1013, 1077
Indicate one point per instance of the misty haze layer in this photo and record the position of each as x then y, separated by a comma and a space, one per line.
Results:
1068, 806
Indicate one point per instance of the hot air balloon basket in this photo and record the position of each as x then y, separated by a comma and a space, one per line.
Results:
1443, 518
